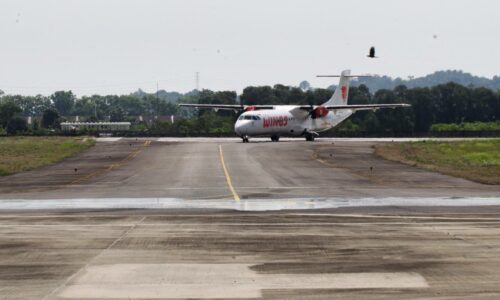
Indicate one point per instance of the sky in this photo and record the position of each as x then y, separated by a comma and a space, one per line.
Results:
118, 46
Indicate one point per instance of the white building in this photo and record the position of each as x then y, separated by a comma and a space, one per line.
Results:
97, 126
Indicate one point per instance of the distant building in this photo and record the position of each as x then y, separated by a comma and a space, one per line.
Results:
97, 126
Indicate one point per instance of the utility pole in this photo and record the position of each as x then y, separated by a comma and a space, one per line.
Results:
157, 102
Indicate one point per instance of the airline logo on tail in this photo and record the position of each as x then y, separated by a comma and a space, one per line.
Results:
344, 92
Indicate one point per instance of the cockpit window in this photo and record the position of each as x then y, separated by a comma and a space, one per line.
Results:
248, 117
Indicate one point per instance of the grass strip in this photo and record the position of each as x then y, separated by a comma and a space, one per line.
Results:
19, 154
476, 160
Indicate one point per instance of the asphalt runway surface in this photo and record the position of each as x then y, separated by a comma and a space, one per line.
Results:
227, 220
200, 169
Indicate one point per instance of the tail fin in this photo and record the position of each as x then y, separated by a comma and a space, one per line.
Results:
342, 90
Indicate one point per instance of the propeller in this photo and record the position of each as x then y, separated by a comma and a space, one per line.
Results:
318, 112
311, 113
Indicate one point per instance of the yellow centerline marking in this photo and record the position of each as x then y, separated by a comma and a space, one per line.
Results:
228, 178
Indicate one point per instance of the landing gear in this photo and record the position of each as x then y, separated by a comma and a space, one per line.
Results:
275, 138
309, 137
245, 139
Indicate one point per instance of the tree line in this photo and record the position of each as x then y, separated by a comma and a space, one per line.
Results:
449, 103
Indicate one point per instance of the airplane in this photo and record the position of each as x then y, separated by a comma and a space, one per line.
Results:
296, 120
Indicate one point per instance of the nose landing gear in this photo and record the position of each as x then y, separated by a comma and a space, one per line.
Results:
275, 138
245, 139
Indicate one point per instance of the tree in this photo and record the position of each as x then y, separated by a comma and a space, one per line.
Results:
295, 96
422, 105
63, 101
316, 96
480, 105
35, 125
116, 114
359, 95
132, 106
257, 95
371, 123
16, 125
8, 110
83, 107
30, 105
398, 121
51, 119
222, 97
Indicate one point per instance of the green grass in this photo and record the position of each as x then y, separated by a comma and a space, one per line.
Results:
477, 160
19, 154
471, 126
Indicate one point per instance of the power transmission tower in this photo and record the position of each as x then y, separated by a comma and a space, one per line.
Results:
157, 102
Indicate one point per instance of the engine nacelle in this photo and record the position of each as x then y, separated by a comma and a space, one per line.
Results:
319, 112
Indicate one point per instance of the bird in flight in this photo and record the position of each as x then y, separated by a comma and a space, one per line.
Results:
372, 53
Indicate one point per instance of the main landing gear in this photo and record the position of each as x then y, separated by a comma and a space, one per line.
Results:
245, 139
309, 137
275, 138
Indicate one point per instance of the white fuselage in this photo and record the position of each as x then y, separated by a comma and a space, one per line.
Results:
286, 120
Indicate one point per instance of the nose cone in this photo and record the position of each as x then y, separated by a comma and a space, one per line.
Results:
237, 128
240, 127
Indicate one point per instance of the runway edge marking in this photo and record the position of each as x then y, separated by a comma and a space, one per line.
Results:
228, 178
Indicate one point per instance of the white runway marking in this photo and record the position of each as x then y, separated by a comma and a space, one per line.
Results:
108, 139
243, 205
155, 281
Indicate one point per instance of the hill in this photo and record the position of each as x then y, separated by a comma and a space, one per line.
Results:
440, 77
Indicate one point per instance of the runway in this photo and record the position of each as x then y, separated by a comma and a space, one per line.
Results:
228, 169
376, 253
219, 219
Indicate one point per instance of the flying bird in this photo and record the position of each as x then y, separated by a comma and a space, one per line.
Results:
372, 53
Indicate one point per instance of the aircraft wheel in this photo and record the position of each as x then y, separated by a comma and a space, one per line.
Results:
275, 138
245, 139
309, 137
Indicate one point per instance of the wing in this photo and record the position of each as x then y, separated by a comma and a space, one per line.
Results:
357, 107
234, 107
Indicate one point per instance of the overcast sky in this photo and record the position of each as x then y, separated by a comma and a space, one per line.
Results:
108, 47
